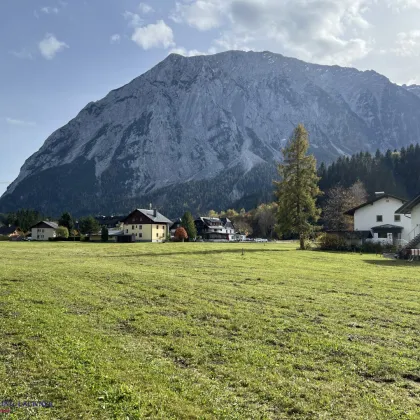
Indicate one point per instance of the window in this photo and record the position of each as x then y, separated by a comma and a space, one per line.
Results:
140, 227
126, 231
140, 235
382, 235
379, 218
132, 227
163, 227
157, 235
397, 217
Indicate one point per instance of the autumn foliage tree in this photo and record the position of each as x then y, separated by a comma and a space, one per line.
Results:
181, 234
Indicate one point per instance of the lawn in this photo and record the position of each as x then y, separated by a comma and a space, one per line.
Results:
200, 331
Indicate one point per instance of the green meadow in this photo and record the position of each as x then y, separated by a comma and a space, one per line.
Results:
202, 331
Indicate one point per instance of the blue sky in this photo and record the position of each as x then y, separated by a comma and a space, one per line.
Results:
56, 56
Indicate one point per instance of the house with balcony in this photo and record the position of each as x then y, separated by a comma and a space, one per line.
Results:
215, 229
144, 226
381, 220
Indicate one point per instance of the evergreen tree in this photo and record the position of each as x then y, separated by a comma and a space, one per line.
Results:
24, 219
298, 189
88, 225
104, 234
67, 221
187, 222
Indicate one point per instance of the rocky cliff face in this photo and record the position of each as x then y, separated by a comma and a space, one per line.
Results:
205, 132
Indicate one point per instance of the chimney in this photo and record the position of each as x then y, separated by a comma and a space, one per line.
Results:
154, 212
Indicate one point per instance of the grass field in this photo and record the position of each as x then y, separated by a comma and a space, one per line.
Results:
200, 331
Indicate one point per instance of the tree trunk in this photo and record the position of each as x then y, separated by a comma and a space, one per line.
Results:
302, 243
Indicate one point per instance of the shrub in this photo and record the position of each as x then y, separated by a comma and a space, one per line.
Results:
62, 232
331, 242
377, 248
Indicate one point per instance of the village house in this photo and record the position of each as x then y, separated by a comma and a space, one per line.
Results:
42, 231
412, 208
10, 231
144, 226
378, 220
215, 229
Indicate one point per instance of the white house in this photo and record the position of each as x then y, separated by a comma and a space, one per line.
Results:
42, 231
412, 208
380, 218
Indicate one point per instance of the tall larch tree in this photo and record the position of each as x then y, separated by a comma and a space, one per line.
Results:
298, 189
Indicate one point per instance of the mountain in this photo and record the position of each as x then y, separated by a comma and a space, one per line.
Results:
205, 132
413, 89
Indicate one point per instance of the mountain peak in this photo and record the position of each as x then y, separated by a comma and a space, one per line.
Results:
206, 132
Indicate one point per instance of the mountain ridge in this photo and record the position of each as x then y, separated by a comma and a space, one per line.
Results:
225, 117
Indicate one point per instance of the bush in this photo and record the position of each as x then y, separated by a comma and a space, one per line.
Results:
331, 242
377, 248
62, 232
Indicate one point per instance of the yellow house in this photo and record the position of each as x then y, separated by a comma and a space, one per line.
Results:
146, 226
42, 231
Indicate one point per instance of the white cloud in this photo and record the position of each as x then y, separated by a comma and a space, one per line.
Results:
23, 54
134, 19
188, 53
20, 123
201, 14
145, 8
50, 46
408, 44
115, 39
326, 31
49, 10
158, 35
402, 5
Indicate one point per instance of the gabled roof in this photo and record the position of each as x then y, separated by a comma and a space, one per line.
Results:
207, 220
409, 206
159, 218
7, 230
388, 228
52, 225
370, 202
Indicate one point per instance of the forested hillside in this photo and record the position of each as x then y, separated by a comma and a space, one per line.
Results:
395, 172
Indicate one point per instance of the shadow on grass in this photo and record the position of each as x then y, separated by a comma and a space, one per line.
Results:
394, 263
211, 252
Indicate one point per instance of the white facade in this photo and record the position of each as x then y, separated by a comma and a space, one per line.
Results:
415, 217
382, 212
43, 234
